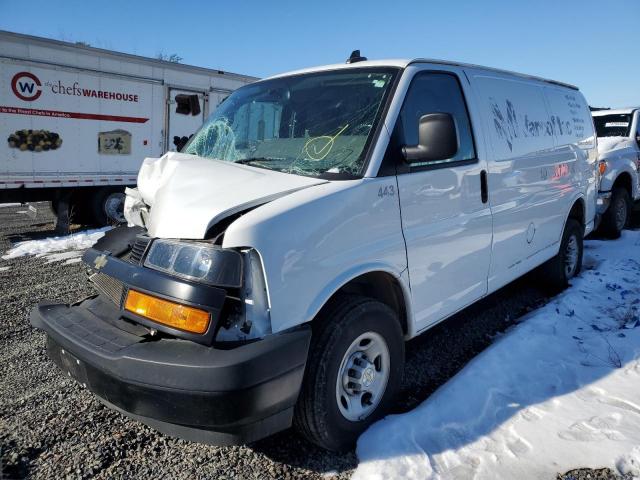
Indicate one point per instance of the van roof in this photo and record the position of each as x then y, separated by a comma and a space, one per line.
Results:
403, 63
616, 111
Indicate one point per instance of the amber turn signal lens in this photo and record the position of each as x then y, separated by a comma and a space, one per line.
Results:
167, 313
602, 167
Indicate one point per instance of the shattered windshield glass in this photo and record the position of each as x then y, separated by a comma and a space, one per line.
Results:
312, 124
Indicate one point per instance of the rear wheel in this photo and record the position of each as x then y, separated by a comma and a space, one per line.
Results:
108, 207
353, 371
557, 272
616, 217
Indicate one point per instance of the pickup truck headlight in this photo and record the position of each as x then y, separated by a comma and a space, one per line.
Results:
200, 262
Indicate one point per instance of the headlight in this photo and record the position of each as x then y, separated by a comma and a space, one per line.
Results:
200, 262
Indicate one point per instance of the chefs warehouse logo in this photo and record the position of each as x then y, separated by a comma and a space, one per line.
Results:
26, 86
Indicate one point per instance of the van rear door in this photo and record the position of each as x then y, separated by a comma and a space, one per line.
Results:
446, 221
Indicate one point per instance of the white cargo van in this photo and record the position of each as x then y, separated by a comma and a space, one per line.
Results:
618, 134
77, 121
272, 271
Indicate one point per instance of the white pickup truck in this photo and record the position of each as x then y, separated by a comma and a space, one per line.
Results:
272, 271
619, 155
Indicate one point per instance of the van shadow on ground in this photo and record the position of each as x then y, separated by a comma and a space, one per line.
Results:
431, 360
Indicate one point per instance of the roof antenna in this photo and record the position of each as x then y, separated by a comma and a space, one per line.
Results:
355, 57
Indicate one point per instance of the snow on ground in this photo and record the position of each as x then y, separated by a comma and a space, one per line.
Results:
71, 246
5, 269
70, 256
560, 390
6, 205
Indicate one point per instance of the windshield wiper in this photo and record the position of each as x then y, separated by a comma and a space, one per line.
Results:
247, 161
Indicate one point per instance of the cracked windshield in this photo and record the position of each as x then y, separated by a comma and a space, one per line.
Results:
312, 124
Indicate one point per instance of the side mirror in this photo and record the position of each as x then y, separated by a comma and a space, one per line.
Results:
437, 139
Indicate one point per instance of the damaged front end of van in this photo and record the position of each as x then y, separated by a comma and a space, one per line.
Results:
201, 327
179, 336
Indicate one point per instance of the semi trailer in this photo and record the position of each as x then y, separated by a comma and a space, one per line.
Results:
77, 121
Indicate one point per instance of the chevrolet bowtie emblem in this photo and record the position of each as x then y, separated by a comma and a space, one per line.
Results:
100, 261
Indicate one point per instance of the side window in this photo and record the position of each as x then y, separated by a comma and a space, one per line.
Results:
435, 93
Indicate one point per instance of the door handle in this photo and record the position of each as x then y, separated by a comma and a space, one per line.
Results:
484, 188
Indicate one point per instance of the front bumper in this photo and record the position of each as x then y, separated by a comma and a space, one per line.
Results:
603, 201
192, 391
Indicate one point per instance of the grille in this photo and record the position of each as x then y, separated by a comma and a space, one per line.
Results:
138, 250
112, 288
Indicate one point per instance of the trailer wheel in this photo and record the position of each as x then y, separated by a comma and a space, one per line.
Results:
616, 217
353, 373
556, 273
108, 207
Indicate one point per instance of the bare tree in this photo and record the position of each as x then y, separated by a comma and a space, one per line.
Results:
174, 57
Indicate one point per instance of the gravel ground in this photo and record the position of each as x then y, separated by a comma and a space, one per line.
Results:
52, 428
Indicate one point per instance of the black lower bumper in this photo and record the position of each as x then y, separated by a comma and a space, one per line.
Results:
196, 392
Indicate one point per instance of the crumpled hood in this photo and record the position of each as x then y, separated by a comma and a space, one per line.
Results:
188, 194
606, 145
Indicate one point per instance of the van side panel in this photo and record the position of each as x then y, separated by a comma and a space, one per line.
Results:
575, 135
533, 170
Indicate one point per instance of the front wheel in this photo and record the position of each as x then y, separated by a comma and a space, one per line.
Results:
557, 272
353, 371
616, 217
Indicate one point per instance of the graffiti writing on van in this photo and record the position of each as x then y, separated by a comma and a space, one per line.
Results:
510, 125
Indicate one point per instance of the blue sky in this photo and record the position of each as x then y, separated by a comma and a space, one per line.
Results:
585, 42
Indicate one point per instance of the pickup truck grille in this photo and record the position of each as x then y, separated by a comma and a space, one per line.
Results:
138, 250
113, 289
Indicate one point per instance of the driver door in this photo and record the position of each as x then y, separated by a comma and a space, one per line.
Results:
445, 211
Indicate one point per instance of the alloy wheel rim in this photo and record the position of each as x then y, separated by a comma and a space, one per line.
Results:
114, 207
363, 376
621, 215
571, 257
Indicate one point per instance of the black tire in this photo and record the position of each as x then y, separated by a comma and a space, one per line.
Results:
317, 414
555, 274
616, 218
